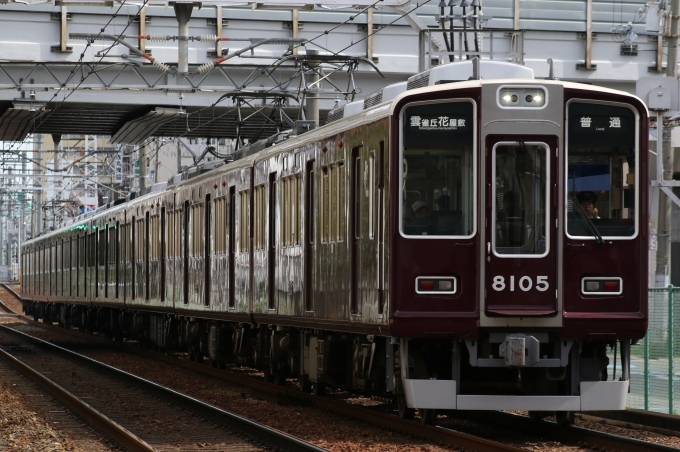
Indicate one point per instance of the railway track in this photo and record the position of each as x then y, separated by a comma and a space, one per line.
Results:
592, 438
573, 434
138, 414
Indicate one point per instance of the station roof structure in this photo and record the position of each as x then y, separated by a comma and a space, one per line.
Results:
56, 80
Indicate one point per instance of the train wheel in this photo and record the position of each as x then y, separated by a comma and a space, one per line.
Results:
404, 411
564, 418
428, 416
538, 415
305, 384
320, 388
280, 378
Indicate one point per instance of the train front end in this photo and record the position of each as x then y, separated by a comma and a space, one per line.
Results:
518, 251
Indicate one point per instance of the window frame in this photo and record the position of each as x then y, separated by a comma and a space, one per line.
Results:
475, 177
548, 183
636, 149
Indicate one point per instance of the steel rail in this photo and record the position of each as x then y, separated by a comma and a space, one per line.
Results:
124, 437
383, 420
412, 427
629, 425
12, 292
650, 420
272, 437
3, 306
572, 433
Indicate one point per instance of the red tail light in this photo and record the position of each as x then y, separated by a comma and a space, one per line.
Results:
601, 286
436, 285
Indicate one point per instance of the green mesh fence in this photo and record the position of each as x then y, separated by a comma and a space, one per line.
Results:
656, 357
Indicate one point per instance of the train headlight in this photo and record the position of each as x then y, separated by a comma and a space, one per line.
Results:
509, 98
601, 286
433, 285
522, 97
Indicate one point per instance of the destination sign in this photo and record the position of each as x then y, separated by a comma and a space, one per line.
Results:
599, 123
592, 124
438, 122
438, 125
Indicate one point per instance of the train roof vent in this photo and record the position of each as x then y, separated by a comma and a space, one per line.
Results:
391, 91
462, 70
353, 108
176, 179
158, 186
373, 99
418, 80
335, 114
384, 94
197, 171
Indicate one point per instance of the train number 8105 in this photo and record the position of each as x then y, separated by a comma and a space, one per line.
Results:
525, 283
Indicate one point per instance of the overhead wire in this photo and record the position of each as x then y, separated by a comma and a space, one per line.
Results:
214, 118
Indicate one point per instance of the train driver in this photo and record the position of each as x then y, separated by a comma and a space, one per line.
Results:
587, 200
421, 213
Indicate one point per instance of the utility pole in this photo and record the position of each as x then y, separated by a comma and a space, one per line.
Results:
3, 232
37, 228
142, 166
179, 157
57, 184
313, 90
664, 151
158, 151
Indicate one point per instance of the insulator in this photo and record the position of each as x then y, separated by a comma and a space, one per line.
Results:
208, 38
161, 66
205, 67
158, 37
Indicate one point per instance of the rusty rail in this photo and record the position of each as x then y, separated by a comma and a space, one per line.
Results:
362, 414
118, 433
270, 436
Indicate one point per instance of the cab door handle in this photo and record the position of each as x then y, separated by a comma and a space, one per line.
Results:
488, 196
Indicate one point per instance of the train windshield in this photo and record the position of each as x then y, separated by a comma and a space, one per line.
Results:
601, 171
438, 168
521, 199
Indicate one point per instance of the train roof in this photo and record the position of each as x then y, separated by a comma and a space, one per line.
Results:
378, 105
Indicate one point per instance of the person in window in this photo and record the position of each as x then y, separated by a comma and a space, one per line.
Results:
421, 213
444, 201
587, 200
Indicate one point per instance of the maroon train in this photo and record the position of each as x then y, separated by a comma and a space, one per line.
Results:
463, 243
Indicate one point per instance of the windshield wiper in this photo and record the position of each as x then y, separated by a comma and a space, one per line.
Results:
587, 221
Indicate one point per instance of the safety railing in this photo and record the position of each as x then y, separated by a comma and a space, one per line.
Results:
654, 360
493, 44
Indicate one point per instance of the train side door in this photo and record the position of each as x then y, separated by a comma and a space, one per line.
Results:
521, 233
309, 236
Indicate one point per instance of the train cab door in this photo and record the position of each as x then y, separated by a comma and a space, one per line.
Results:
521, 227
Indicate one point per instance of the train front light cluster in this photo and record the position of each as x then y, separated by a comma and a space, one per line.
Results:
433, 285
521, 98
601, 286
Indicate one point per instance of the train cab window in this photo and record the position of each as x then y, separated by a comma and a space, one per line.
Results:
602, 188
438, 169
520, 191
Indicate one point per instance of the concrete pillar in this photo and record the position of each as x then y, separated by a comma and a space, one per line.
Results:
313, 92
183, 14
143, 171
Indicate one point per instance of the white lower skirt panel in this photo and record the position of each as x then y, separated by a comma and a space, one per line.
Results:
439, 394
532, 403
604, 395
